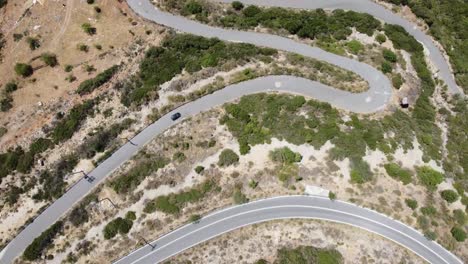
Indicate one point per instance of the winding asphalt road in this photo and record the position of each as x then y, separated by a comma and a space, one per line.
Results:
288, 207
370, 101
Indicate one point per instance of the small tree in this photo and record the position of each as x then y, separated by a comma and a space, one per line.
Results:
88, 29
33, 43
413, 204
11, 87
386, 67
23, 69
193, 7
389, 55
331, 195
199, 169
49, 59
237, 5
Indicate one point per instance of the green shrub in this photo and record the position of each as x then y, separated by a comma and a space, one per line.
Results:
253, 184
173, 203
78, 216
36, 248
354, 46
458, 233
88, 29
11, 87
49, 59
239, 197
285, 155
33, 43
251, 11
199, 169
90, 85
117, 226
449, 195
431, 235
396, 172
397, 80
237, 5
130, 215
6, 103
90, 2
459, 216
130, 180
193, 7
360, 171
331, 195
380, 38
429, 210
24, 70
82, 47
308, 254
411, 203
429, 177
68, 68
389, 55
179, 156
195, 218
227, 158
386, 67
40, 145
68, 125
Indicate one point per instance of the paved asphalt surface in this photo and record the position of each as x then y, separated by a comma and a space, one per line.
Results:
372, 100
287, 207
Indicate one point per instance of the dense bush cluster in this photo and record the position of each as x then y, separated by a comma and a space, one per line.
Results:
117, 226
285, 155
90, 85
447, 23
429, 177
40, 243
67, 126
308, 254
173, 203
449, 195
395, 171
131, 179
182, 52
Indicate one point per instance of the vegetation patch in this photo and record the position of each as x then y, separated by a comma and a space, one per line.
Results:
444, 21
396, 172
173, 203
117, 226
182, 52
90, 85
308, 254
429, 177
132, 178
36, 248
227, 157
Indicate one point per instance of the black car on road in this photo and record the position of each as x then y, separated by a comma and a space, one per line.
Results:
175, 116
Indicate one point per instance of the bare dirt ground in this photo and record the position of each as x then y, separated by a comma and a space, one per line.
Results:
261, 241
57, 25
